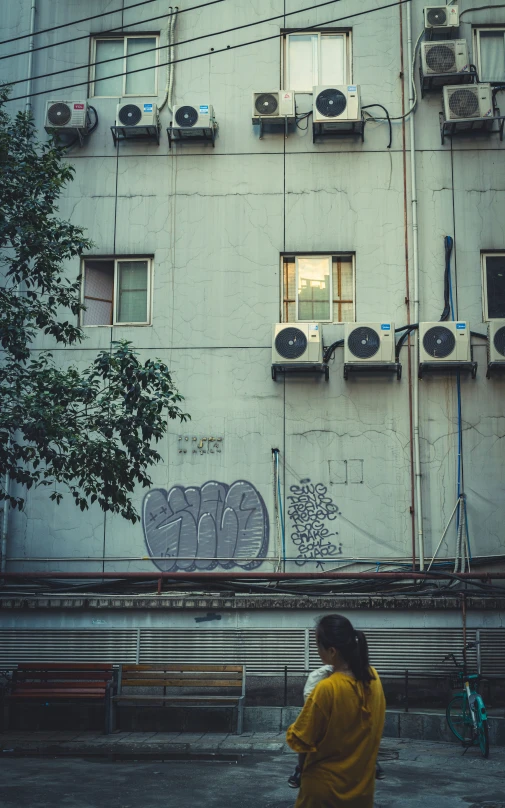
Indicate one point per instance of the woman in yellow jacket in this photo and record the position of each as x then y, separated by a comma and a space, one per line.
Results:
338, 732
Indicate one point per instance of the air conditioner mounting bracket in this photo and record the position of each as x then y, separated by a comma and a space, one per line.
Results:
282, 121
434, 81
373, 367
495, 366
347, 129
301, 369
473, 126
199, 134
439, 366
151, 132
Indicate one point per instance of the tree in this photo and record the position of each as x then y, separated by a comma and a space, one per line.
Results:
90, 432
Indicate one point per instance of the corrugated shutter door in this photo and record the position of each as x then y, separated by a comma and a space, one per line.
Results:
492, 645
419, 650
259, 649
64, 645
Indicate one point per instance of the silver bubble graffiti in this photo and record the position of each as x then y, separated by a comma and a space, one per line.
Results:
201, 528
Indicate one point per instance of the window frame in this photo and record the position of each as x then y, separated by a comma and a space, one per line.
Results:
485, 302
285, 301
125, 37
117, 260
345, 33
476, 49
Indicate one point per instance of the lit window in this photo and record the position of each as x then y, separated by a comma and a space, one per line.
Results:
316, 58
493, 273
129, 53
318, 288
489, 50
116, 291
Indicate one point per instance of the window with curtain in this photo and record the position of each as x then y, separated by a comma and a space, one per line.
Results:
490, 53
130, 53
316, 58
493, 271
116, 291
318, 288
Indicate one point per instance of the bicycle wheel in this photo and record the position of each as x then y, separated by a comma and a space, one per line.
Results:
483, 728
459, 719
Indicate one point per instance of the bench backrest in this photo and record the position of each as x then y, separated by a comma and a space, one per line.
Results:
65, 676
179, 675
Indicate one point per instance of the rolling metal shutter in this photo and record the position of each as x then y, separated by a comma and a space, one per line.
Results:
64, 645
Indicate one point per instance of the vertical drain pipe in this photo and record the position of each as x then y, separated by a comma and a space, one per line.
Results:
415, 269
28, 106
28, 102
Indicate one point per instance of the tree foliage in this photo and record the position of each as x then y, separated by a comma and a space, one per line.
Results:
90, 432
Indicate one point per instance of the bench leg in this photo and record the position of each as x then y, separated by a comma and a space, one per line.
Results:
240, 717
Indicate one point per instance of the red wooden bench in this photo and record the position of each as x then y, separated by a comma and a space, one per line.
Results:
60, 682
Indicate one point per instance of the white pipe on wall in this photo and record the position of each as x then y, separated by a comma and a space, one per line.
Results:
28, 102
415, 313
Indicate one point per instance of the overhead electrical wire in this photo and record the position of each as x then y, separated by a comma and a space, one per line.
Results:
117, 30
183, 42
77, 22
54, 90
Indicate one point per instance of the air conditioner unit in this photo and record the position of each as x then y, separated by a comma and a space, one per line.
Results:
496, 342
441, 17
444, 342
67, 116
336, 104
275, 104
373, 343
297, 343
468, 103
137, 116
191, 121
446, 58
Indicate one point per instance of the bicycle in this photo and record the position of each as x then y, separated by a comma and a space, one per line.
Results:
466, 712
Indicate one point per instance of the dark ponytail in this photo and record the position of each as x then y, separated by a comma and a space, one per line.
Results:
336, 631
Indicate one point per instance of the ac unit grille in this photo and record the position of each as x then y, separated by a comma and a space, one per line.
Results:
499, 340
291, 343
464, 103
130, 115
363, 342
266, 104
186, 116
441, 58
59, 114
437, 16
331, 103
439, 342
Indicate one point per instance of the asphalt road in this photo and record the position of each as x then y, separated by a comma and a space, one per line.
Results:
418, 775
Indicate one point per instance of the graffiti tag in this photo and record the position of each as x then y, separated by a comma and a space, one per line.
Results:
309, 510
202, 527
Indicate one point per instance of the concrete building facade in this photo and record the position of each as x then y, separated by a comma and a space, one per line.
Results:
215, 245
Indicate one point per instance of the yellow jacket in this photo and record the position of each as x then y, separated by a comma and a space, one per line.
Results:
339, 728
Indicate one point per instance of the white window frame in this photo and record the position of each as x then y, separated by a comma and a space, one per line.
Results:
121, 65
117, 260
346, 35
485, 308
330, 256
476, 48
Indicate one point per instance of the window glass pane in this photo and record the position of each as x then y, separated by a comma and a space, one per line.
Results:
132, 292
495, 279
109, 49
332, 60
98, 292
302, 62
346, 313
492, 55
140, 83
314, 295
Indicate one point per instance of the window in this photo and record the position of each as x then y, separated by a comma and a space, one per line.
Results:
129, 54
489, 49
493, 272
318, 288
116, 291
316, 58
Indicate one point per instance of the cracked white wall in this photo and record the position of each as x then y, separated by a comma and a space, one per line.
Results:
216, 222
